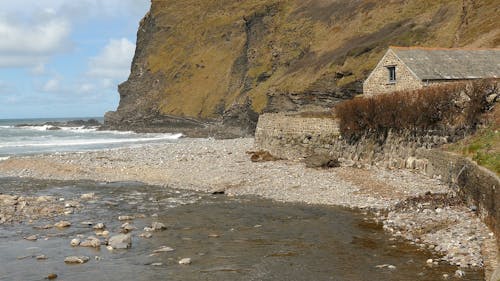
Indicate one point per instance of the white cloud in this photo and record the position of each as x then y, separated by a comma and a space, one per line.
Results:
113, 62
85, 88
52, 85
30, 44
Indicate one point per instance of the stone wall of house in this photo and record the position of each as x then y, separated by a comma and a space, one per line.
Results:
378, 81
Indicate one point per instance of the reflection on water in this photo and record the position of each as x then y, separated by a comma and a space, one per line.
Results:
226, 238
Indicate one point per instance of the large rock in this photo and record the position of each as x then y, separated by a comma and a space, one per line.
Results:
121, 241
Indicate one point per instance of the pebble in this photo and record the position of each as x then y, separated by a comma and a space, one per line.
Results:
157, 264
213, 235
163, 249
88, 196
158, 226
52, 276
430, 261
92, 242
103, 233
75, 242
31, 237
185, 261
146, 235
127, 227
41, 257
459, 273
125, 218
99, 226
87, 223
62, 224
76, 259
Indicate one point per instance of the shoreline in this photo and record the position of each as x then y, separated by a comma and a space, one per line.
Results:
209, 165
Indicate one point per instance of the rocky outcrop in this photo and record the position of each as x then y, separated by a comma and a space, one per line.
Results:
211, 67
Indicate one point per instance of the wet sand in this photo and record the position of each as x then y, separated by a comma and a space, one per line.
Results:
224, 166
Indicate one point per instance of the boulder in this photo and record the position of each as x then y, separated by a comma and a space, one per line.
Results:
321, 161
121, 241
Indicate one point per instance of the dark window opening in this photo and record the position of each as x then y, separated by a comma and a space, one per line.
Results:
392, 74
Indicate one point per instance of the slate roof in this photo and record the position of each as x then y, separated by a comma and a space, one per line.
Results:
448, 64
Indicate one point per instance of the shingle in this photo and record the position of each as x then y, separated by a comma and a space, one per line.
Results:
447, 64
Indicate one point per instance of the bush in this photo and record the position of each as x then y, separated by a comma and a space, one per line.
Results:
446, 107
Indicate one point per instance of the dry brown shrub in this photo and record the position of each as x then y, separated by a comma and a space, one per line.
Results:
437, 108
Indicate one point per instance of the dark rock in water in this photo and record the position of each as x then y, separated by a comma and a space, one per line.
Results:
91, 123
322, 161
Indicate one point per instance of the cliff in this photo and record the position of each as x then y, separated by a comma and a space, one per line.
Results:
201, 64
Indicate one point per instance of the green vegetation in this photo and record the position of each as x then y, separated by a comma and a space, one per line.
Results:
484, 146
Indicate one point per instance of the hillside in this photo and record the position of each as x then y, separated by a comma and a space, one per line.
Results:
227, 60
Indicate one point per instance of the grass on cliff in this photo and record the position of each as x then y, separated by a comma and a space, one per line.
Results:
484, 146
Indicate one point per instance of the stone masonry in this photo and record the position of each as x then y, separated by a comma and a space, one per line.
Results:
378, 81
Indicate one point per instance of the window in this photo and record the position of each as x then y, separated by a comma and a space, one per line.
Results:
392, 74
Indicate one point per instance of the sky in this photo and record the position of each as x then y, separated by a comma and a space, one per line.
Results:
65, 58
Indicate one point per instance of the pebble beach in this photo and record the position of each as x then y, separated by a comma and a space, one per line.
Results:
409, 205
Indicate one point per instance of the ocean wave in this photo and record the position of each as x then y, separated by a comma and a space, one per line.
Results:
4, 158
74, 142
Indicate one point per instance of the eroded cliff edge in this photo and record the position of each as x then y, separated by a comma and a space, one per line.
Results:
211, 67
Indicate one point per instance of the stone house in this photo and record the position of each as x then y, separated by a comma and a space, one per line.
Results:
411, 68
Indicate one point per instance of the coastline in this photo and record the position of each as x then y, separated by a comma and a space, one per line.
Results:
398, 198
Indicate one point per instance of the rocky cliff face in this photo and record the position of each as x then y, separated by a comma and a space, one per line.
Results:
212, 66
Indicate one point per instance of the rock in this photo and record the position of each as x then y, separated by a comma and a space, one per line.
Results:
125, 218
76, 259
127, 227
41, 257
158, 226
33, 237
459, 273
185, 261
62, 224
87, 223
75, 242
99, 226
261, 156
411, 163
430, 261
491, 99
146, 235
104, 233
157, 264
213, 235
321, 161
121, 241
163, 249
496, 274
92, 242
52, 276
88, 196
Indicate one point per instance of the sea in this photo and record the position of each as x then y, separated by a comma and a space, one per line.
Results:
42, 138
227, 238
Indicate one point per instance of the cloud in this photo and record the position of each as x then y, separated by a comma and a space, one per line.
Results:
29, 44
113, 62
51, 86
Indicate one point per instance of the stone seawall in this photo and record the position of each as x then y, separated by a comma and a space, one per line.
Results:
295, 137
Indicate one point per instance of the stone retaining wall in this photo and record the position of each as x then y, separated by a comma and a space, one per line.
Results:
293, 137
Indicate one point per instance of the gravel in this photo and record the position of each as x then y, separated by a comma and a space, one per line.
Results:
224, 166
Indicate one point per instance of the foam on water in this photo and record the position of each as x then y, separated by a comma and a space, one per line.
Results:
35, 139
